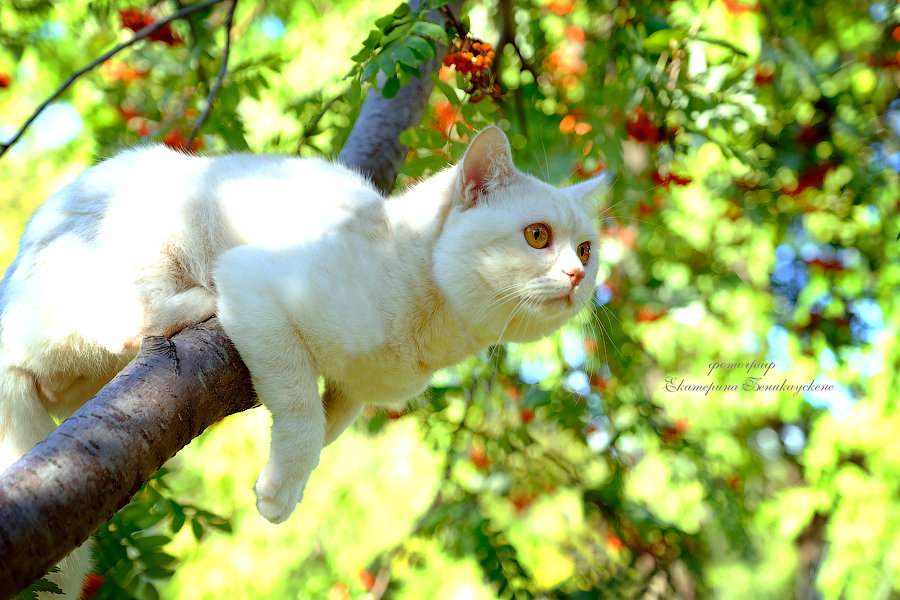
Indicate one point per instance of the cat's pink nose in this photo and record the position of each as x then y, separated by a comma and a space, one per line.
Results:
575, 275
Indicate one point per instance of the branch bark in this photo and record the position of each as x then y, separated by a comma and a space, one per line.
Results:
54, 497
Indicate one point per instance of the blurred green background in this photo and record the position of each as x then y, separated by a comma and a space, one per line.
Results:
661, 446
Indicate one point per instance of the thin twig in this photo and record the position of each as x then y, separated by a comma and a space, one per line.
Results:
140, 35
311, 128
219, 78
447, 13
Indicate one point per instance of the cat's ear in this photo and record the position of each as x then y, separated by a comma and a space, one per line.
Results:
586, 191
486, 166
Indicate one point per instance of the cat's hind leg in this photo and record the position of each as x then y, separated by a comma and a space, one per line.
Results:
168, 314
340, 411
23, 423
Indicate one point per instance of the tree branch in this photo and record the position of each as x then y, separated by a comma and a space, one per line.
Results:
54, 497
214, 91
140, 35
373, 140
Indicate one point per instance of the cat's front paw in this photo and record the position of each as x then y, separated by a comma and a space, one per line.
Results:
276, 498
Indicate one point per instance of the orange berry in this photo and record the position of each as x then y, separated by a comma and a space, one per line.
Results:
582, 128
561, 7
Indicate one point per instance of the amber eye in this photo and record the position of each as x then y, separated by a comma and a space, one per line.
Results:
584, 252
537, 235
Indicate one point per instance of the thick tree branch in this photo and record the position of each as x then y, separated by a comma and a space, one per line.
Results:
373, 140
53, 498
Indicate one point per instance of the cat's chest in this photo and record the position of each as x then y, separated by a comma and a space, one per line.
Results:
397, 364
382, 377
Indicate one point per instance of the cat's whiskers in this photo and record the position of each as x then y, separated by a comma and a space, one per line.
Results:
531, 315
498, 297
598, 327
520, 304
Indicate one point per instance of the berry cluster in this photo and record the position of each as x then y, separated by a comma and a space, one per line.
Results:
471, 56
474, 58
640, 128
135, 20
669, 179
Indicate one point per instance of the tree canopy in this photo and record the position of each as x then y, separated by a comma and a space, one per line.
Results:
721, 422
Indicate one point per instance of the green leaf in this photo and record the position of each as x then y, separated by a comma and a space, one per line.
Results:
409, 137
197, 528
354, 92
661, 40
382, 23
386, 64
40, 585
418, 166
362, 55
423, 47
158, 572
222, 525
408, 71
390, 87
422, 137
446, 89
720, 42
457, 150
369, 71
402, 10
403, 55
178, 519
150, 542
430, 30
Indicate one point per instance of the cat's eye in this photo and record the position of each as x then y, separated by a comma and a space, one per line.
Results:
537, 235
584, 252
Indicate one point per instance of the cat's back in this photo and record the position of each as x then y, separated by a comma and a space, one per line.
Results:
278, 200
153, 193
122, 191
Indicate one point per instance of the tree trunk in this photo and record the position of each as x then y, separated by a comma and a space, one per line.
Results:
54, 497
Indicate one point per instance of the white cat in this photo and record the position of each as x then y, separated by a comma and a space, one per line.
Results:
312, 272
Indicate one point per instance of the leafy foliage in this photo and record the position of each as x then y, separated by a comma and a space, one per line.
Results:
397, 46
39, 586
130, 549
663, 444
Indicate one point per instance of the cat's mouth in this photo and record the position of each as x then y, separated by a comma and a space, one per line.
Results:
564, 301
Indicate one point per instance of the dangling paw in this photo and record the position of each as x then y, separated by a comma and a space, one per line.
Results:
276, 497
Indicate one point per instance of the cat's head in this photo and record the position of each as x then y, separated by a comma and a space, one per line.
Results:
517, 257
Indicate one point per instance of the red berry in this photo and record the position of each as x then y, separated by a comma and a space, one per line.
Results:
613, 541
5, 80
479, 457
527, 415
367, 579
646, 315
642, 129
522, 500
91, 586
135, 20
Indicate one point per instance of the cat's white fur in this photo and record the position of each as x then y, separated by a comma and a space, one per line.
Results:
312, 272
